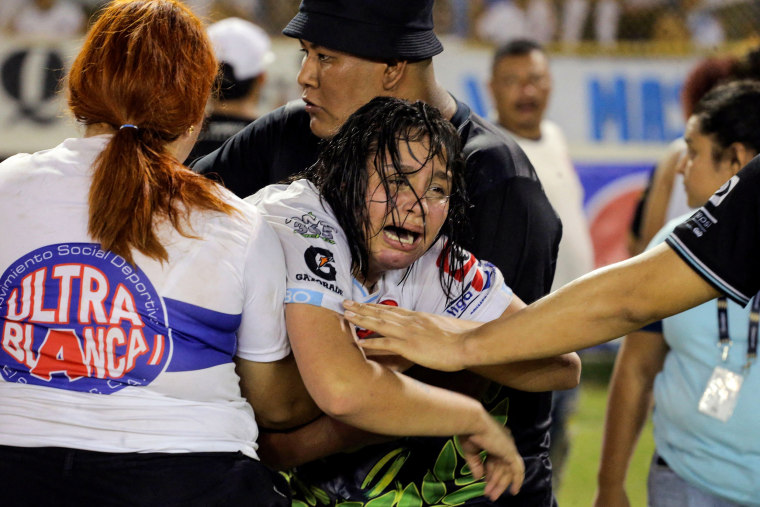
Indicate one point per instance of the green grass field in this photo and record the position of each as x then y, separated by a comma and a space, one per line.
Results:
586, 428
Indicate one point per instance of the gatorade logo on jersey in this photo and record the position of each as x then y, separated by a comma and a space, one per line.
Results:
475, 278
319, 261
366, 333
80, 318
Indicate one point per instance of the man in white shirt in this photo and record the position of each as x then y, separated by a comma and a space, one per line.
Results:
521, 85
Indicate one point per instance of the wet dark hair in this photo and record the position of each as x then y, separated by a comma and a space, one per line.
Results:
373, 134
730, 113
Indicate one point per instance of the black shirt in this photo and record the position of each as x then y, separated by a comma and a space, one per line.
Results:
217, 128
721, 240
513, 226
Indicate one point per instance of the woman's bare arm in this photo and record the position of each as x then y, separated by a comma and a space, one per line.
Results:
597, 307
362, 393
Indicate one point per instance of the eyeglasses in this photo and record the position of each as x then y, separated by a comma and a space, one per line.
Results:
434, 195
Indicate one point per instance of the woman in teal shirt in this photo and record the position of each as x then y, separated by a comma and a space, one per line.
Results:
703, 418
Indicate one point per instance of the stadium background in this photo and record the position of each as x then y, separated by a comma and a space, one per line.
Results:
616, 98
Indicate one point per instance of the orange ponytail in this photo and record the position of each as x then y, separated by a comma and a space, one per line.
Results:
148, 63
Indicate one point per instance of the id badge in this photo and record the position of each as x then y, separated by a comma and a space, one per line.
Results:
721, 393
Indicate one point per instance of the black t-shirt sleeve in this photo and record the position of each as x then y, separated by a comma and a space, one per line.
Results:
269, 150
515, 227
721, 241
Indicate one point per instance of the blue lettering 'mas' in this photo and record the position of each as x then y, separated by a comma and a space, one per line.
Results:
652, 118
609, 105
661, 117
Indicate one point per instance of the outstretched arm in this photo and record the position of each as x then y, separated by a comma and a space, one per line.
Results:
537, 375
534, 375
602, 305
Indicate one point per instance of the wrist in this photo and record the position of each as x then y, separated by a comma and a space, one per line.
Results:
469, 350
610, 482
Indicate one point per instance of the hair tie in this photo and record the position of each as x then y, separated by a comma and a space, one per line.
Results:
129, 126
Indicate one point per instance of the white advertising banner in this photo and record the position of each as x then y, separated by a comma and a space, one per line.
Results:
32, 111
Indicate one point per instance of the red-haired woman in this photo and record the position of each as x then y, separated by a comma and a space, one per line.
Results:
132, 291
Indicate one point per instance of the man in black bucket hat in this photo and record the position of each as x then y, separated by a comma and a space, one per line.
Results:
370, 29
354, 50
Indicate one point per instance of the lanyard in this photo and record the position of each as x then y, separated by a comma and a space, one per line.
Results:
724, 340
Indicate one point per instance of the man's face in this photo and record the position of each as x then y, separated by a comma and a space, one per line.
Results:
335, 84
521, 86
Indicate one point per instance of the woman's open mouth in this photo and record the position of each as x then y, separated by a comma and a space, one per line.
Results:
400, 235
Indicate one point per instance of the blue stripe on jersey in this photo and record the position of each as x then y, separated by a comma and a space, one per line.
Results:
359, 287
201, 338
705, 272
309, 297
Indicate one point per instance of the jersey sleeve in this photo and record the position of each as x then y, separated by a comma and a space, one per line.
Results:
478, 291
317, 257
262, 336
721, 241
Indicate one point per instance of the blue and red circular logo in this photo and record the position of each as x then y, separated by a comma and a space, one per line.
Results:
80, 318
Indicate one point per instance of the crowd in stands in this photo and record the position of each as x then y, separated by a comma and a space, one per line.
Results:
701, 24
704, 23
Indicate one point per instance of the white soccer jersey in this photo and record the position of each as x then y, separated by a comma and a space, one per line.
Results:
318, 262
100, 355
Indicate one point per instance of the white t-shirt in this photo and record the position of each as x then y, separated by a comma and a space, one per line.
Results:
551, 159
100, 355
318, 262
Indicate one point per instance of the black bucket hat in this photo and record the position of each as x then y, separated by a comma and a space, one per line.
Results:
373, 29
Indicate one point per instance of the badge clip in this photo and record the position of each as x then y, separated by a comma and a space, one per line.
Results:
725, 347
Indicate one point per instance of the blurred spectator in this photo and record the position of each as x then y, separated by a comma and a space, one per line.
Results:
574, 18
49, 19
639, 17
91, 7
244, 51
274, 14
740, 18
8, 10
704, 26
689, 21
504, 20
521, 85
216, 10
199, 7
460, 17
